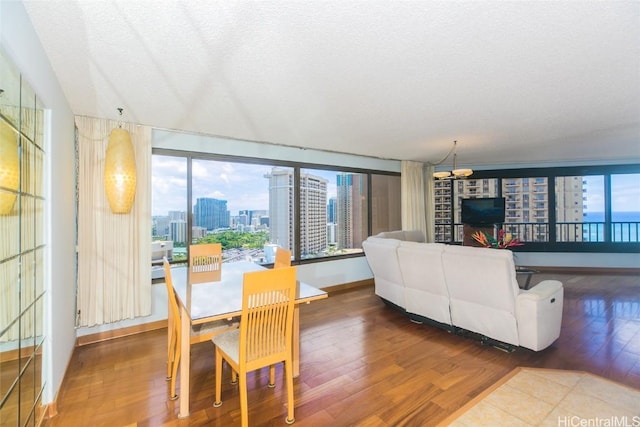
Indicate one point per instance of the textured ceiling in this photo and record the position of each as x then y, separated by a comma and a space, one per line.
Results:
513, 82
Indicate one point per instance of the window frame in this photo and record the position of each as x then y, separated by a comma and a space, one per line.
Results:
297, 167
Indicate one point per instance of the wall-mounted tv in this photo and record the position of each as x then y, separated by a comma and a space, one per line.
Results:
485, 211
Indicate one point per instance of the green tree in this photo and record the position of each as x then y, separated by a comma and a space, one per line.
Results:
230, 239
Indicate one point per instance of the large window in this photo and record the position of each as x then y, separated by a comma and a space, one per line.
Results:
564, 209
253, 207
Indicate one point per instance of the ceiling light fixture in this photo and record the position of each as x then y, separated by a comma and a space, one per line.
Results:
120, 171
455, 172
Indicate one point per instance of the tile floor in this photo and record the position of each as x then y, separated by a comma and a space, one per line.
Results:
545, 397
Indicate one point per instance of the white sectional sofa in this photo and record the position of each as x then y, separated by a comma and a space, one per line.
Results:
464, 289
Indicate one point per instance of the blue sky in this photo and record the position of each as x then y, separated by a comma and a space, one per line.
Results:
625, 189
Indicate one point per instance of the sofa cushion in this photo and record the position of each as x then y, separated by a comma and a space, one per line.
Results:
483, 289
425, 288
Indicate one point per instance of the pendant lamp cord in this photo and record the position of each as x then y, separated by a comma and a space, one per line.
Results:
452, 150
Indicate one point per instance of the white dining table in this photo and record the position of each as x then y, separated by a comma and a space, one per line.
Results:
206, 302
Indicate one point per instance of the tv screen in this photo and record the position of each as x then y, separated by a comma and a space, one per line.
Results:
483, 211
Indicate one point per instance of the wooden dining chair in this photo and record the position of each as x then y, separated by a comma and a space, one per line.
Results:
283, 258
173, 331
265, 334
205, 263
199, 333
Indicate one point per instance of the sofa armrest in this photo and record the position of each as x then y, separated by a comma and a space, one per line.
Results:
542, 290
539, 314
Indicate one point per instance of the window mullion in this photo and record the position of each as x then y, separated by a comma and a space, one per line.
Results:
607, 208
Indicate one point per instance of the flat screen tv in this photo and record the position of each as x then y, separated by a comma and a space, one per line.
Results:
485, 211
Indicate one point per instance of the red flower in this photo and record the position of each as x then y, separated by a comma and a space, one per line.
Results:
505, 240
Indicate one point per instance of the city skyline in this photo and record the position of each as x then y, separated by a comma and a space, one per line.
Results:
211, 213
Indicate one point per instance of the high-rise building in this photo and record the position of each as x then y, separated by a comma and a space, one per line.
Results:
251, 217
313, 206
569, 207
313, 210
442, 204
331, 233
161, 226
179, 231
350, 211
332, 210
211, 213
257, 217
243, 218
281, 202
527, 202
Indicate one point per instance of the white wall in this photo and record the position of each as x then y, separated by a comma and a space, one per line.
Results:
331, 273
555, 259
233, 147
19, 41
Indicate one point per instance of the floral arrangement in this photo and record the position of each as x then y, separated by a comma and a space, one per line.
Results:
505, 240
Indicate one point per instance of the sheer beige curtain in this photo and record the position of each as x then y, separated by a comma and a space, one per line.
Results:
114, 261
412, 187
418, 202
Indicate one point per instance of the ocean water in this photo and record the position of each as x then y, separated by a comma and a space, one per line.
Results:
624, 227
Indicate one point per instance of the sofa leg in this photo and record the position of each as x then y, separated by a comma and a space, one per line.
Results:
507, 348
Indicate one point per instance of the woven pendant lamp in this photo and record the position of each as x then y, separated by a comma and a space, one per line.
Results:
9, 168
120, 172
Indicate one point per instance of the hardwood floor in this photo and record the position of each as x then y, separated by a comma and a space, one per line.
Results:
361, 364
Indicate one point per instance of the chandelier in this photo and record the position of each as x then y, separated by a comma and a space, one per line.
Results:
455, 173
